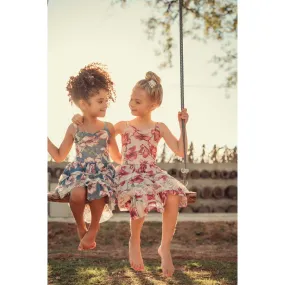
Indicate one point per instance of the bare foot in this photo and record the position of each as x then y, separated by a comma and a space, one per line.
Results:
135, 255
82, 247
166, 261
87, 241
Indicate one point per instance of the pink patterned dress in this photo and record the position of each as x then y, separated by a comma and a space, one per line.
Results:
141, 185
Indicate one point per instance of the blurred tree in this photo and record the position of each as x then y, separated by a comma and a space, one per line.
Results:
203, 20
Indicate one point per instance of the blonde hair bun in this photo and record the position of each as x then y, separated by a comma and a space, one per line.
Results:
152, 76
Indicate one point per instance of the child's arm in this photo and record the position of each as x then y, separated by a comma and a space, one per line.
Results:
77, 119
113, 147
176, 145
119, 127
59, 154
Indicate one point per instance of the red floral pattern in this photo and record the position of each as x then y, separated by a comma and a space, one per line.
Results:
141, 185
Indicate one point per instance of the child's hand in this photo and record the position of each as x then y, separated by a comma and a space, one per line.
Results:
183, 115
77, 119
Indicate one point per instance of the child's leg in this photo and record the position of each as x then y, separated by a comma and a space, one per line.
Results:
135, 255
96, 207
169, 221
77, 205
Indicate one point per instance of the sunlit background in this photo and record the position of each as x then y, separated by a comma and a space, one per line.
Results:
84, 31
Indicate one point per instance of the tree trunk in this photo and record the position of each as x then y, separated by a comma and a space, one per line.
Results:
218, 193
172, 172
231, 192
206, 193
215, 174
204, 209
195, 174
232, 209
205, 174
225, 174
219, 209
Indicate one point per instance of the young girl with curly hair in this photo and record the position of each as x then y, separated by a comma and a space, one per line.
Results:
90, 177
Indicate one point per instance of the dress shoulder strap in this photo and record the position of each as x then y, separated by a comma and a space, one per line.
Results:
106, 127
76, 127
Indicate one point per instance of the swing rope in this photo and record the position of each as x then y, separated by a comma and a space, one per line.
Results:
184, 170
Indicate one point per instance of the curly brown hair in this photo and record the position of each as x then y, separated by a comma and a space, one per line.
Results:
89, 81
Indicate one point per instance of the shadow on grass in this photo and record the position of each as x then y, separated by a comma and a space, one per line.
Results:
115, 272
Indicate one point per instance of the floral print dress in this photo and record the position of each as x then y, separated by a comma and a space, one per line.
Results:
91, 169
141, 185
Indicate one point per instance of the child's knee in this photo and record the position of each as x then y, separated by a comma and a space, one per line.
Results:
171, 198
78, 195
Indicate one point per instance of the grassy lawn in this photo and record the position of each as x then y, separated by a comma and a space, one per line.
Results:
84, 271
203, 254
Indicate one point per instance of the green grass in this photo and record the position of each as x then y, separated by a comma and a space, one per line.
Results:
212, 245
85, 271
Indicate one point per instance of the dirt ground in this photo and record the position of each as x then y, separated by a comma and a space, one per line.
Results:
192, 240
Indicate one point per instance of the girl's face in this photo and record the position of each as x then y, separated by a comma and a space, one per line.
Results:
140, 103
96, 105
